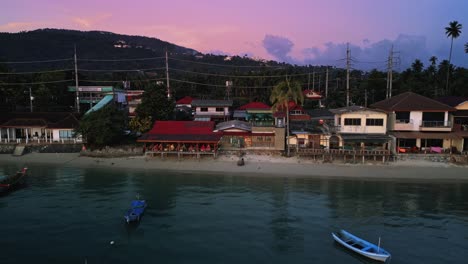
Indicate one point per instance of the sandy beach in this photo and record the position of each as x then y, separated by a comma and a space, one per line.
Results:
258, 165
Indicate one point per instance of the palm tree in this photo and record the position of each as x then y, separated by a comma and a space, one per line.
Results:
433, 60
466, 47
283, 93
453, 31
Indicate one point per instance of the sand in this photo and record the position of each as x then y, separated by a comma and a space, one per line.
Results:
257, 165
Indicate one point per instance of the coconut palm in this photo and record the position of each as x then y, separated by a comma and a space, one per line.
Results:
433, 60
466, 47
283, 93
453, 31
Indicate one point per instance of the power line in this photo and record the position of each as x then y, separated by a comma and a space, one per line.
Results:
223, 86
242, 76
37, 61
111, 60
18, 73
135, 80
129, 70
225, 65
30, 83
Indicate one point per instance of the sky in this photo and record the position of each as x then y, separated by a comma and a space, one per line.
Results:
295, 31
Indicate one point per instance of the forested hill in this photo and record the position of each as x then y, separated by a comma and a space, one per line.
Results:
45, 44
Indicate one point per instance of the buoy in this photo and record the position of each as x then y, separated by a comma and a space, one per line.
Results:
112, 242
83, 148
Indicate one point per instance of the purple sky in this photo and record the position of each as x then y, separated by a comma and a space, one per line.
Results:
295, 31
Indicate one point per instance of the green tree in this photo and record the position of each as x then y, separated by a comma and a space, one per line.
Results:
453, 31
466, 47
103, 127
155, 103
283, 93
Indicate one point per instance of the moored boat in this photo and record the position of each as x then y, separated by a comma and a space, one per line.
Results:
361, 246
8, 183
137, 208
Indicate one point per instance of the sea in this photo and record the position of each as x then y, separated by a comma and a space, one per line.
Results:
66, 214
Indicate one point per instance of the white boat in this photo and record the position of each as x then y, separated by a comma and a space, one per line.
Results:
361, 246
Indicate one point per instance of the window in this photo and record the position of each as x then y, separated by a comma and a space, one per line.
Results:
296, 112
203, 109
352, 121
374, 122
402, 117
219, 109
65, 133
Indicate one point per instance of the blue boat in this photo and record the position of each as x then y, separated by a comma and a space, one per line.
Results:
137, 208
361, 246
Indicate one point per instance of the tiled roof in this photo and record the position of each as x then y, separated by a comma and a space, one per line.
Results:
214, 103
185, 100
452, 100
39, 119
254, 105
353, 108
410, 101
236, 124
181, 131
320, 113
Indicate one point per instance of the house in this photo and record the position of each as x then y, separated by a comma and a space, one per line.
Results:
419, 123
358, 127
239, 134
181, 137
460, 119
94, 97
38, 127
133, 100
256, 113
212, 110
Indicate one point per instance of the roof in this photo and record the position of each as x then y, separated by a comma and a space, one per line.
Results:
365, 137
320, 113
452, 100
206, 103
39, 119
410, 101
236, 124
185, 100
182, 131
429, 135
255, 105
353, 108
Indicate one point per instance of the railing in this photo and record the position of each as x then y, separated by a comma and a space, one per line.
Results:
404, 121
436, 123
332, 128
263, 123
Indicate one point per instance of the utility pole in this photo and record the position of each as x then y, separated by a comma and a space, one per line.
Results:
308, 80
313, 80
31, 98
167, 77
348, 59
76, 85
365, 97
326, 84
389, 73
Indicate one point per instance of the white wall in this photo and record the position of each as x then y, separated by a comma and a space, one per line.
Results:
363, 129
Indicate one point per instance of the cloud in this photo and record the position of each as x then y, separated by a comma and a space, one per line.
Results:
15, 26
366, 55
89, 22
278, 47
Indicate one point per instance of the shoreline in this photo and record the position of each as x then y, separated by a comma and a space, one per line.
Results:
256, 165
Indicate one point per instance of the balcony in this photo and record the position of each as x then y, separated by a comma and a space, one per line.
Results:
332, 128
405, 124
442, 126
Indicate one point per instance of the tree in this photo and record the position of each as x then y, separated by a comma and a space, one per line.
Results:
283, 93
466, 47
103, 127
155, 103
453, 31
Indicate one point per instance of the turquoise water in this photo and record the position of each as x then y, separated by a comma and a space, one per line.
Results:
70, 215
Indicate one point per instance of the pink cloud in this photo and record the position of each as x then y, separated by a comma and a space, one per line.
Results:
89, 22
16, 26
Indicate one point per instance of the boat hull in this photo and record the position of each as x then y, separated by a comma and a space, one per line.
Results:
135, 212
9, 183
361, 246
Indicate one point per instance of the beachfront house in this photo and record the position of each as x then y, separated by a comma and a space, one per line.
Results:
254, 128
93, 98
38, 127
460, 120
358, 127
418, 123
181, 138
212, 110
